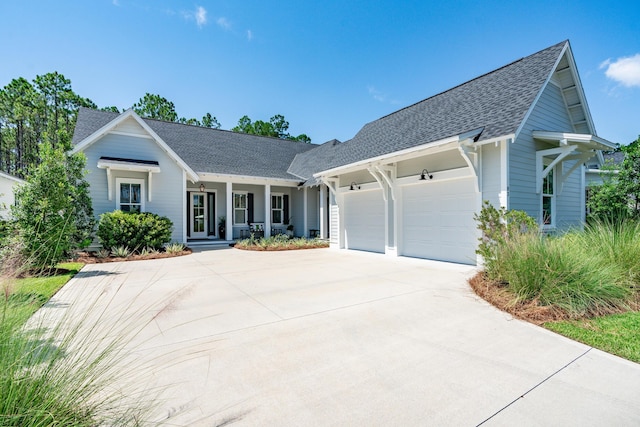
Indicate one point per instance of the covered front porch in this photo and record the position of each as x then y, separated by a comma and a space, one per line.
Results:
224, 209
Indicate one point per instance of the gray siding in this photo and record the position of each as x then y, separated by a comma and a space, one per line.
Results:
167, 186
548, 114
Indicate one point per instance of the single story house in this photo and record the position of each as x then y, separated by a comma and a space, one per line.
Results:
8, 184
406, 184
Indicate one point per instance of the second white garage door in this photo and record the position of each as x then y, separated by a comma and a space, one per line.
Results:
437, 221
364, 220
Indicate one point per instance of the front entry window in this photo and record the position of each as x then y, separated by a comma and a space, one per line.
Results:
276, 208
239, 208
198, 213
548, 200
130, 197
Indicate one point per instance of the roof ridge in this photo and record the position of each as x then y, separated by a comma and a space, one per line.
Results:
473, 79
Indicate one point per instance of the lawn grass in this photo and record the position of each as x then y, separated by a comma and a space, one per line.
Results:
617, 334
25, 296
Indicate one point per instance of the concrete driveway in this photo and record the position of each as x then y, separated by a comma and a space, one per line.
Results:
322, 337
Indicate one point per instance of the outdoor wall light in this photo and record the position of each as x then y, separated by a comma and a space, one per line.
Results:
425, 173
354, 186
202, 188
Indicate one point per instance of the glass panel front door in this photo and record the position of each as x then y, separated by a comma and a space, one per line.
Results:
198, 215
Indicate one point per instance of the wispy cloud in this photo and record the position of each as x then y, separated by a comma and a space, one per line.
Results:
249, 35
625, 70
376, 94
201, 16
223, 23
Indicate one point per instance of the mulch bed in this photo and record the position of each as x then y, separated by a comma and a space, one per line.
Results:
497, 295
277, 248
91, 258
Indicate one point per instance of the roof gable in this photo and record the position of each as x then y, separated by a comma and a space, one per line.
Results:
198, 149
497, 102
129, 121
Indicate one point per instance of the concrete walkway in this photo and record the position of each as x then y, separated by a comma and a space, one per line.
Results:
322, 337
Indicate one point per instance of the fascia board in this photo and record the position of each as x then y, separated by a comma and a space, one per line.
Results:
388, 158
542, 88
243, 179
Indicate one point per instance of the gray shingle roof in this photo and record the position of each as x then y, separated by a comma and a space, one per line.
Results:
497, 101
211, 150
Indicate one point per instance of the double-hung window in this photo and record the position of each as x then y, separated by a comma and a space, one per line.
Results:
239, 208
276, 208
548, 200
130, 194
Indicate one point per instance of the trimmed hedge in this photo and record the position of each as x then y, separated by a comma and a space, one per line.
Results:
135, 231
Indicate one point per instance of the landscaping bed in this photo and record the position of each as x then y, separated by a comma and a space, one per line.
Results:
96, 258
280, 243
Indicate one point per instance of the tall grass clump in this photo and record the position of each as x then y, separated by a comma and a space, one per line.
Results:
55, 370
581, 273
616, 243
560, 272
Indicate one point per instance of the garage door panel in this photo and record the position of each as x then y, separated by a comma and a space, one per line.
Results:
364, 221
437, 221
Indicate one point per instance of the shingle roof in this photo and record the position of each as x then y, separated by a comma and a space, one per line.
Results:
497, 101
211, 150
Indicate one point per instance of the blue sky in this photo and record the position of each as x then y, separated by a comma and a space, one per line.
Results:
329, 67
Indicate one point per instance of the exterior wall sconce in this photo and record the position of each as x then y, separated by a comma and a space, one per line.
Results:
354, 186
202, 188
425, 173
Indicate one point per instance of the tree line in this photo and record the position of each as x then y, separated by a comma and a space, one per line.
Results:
44, 111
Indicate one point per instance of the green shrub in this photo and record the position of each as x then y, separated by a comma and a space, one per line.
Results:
53, 212
134, 230
499, 226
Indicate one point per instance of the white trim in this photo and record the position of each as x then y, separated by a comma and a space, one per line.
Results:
241, 179
12, 178
246, 208
281, 195
562, 153
551, 167
127, 166
542, 88
109, 127
267, 208
305, 212
229, 214
184, 207
123, 180
591, 142
504, 175
388, 158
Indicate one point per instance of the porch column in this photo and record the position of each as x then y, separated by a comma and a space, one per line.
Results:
323, 212
305, 225
229, 222
267, 210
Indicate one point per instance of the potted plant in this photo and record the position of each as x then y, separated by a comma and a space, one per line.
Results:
222, 224
287, 222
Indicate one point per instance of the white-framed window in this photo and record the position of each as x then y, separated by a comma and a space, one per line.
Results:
549, 200
130, 194
240, 208
277, 208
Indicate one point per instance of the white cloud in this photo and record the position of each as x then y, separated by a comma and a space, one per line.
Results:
625, 70
201, 16
376, 94
223, 23
249, 35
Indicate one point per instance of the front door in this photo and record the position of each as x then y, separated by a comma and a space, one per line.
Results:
198, 215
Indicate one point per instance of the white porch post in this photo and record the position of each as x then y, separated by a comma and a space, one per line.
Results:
267, 210
229, 223
184, 204
323, 212
305, 225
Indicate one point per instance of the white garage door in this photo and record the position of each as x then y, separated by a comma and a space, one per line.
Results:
364, 220
437, 221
